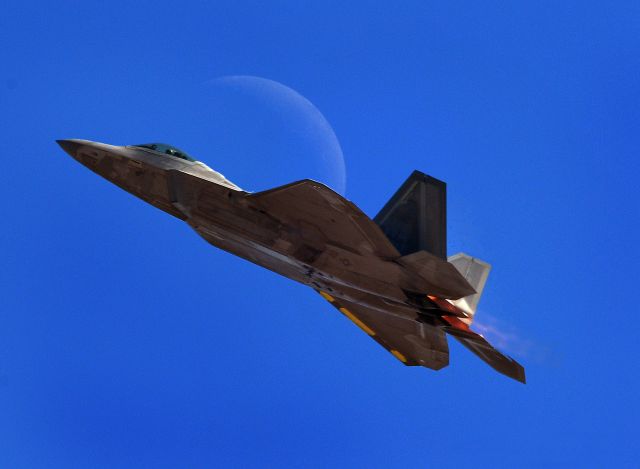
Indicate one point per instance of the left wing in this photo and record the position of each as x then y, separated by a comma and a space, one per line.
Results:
312, 208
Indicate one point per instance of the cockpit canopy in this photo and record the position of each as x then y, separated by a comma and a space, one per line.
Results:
166, 149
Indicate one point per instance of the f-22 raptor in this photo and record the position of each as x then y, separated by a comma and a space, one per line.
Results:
390, 275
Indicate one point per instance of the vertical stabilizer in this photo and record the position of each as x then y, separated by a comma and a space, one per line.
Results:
415, 218
475, 272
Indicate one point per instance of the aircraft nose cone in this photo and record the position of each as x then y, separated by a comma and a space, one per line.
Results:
70, 146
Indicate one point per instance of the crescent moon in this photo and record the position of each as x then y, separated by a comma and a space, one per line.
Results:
315, 124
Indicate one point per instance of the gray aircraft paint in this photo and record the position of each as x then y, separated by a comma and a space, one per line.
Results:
313, 235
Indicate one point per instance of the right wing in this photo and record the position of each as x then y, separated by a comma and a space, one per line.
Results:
416, 343
413, 343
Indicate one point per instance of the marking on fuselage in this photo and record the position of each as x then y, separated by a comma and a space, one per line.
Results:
347, 313
399, 356
357, 321
327, 297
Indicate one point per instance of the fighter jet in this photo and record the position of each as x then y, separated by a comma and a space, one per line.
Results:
390, 275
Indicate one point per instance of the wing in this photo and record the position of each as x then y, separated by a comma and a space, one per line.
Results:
484, 350
412, 342
323, 214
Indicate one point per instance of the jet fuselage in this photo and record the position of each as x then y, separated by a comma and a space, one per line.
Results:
228, 218
396, 284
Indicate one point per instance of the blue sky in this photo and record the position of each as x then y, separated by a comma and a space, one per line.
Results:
126, 341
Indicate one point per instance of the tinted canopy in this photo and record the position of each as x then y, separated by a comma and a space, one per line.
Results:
166, 149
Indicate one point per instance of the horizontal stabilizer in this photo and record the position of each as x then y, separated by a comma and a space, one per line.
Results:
483, 349
476, 273
439, 277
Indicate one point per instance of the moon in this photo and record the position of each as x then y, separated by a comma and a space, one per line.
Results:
276, 134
